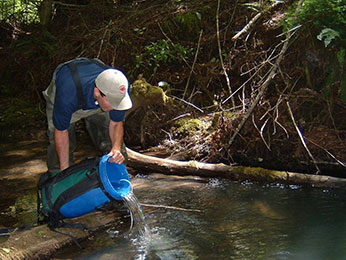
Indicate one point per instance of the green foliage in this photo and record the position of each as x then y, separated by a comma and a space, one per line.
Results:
19, 112
43, 44
161, 52
186, 22
259, 6
327, 35
190, 21
326, 20
335, 77
19, 10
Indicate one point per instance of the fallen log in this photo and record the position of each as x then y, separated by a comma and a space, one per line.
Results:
241, 173
40, 242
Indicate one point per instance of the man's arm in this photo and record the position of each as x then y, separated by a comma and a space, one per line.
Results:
62, 147
116, 132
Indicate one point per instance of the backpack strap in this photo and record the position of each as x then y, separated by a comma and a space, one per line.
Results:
8, 231
69, 235
44, 180
53, 224
73, 67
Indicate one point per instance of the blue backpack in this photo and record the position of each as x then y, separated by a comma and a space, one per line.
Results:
79, 190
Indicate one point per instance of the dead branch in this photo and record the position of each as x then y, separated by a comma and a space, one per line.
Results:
68, 5
194, 63
257, 70
329, 153
271, 75
261, 92
302, 137
220, 53
252, 22
261, 131
169, 207
188, 103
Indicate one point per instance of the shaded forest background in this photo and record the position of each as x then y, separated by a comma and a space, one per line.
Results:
257, 83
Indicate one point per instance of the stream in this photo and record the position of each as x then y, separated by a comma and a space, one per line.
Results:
232, 221
194, 218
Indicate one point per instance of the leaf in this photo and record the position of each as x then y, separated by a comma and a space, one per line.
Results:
327, 35
341, 58
343, 88
6, 250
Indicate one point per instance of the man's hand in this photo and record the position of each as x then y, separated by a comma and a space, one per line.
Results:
117, 156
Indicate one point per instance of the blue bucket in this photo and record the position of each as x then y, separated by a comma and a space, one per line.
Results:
115, 178
116, 183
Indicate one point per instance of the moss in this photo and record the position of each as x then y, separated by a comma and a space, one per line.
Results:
262, 174
216, 119
142, 89
230, 115
188, 126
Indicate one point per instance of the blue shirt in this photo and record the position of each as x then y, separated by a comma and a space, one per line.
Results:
66, 99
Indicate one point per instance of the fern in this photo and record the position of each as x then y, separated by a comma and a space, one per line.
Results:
327, 35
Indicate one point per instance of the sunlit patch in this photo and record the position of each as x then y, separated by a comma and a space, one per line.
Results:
215, 183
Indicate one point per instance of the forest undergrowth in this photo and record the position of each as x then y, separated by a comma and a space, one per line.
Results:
250, 83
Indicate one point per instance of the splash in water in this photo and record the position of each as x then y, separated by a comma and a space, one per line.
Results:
137, 216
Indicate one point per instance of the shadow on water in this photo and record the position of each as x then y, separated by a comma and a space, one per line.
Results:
17, 204
231, 221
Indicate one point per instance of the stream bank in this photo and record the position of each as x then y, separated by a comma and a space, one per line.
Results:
212, 58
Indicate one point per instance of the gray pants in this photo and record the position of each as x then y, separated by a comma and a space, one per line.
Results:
96, 123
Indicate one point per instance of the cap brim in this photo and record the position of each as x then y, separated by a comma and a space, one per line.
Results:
124, 104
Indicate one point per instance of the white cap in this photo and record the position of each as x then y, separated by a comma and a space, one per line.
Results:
114, 85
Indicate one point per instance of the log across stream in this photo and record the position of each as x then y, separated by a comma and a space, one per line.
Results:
153, 164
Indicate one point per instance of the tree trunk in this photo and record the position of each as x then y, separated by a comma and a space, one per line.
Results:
45, 12
240, 173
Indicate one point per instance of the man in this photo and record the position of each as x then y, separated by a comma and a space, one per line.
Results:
90, 90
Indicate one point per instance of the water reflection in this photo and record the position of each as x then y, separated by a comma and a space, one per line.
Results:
236, 221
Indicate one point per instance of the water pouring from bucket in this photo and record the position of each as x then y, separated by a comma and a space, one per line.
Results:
116, 182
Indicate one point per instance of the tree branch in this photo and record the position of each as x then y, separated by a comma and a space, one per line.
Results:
302, 137
252, 22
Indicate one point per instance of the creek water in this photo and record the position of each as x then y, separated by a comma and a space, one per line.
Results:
192, 218
220, 219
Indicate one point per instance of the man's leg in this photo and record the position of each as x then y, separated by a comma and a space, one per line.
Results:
52, 157
98, 128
